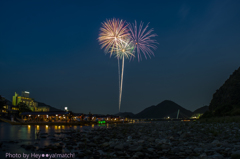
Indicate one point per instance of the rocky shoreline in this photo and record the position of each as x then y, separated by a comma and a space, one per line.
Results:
175, 140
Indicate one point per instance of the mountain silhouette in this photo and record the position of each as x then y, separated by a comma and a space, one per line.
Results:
164, 109
225, 101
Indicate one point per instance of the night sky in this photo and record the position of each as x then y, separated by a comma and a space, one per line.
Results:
50, 49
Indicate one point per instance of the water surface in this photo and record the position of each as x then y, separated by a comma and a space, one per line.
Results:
27, 134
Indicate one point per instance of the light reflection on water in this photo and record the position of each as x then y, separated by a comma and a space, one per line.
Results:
10, 132
46, 128
27, 134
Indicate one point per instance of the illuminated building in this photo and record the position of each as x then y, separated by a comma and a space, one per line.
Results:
25, 99
33, 105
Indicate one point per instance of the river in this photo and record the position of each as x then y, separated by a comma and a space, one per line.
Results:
27, 134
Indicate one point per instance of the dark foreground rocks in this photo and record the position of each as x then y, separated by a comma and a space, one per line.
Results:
173, 140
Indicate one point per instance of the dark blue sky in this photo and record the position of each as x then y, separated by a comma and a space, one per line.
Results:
50, 48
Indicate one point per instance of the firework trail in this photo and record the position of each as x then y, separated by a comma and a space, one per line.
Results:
125, 49
119, 80
142, 39
120, 93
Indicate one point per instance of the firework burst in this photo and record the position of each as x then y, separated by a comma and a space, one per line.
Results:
111, 34
142, 39
125, 48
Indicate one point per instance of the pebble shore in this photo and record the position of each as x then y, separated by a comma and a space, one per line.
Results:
160, 140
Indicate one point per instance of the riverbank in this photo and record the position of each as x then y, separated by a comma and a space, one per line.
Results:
82, 123
148, 140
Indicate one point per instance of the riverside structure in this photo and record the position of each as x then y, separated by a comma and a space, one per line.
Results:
64, 118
